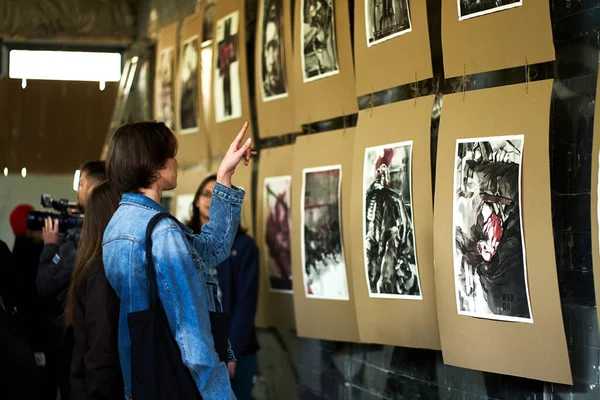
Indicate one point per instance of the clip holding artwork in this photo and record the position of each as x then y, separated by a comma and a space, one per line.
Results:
476, 8
490, 273
317, 40
277, 241
273, 83
390, 254
188, 79
164, 108
386, 19
322, 249
227, 91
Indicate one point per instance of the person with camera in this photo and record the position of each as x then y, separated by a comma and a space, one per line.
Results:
167, 264
54, 274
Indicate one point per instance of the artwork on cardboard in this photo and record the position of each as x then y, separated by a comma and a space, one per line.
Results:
386, 19
273, 83
323, 263
317, 37
475, 8
277, 254
227, 93
188, 79
388, 227
490, 273
164, 109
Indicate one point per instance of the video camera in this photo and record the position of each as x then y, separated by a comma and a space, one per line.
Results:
68, 216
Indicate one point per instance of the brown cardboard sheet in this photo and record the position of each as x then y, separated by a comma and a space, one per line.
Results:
167, 38
332, 96
193, 146
396, 61
275, 309
594, 199
276, 117
318, 318
535, 350
502, 39
221, 134
397, 321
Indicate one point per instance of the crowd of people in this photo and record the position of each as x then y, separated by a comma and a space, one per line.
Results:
134, 303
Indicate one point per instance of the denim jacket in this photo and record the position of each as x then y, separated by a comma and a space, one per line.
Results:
185, 287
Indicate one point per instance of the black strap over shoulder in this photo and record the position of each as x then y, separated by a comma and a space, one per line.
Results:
150, 270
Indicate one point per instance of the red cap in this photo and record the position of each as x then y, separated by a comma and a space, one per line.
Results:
18, 219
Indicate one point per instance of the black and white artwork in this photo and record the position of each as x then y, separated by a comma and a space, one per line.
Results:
227, 93
490, 271
386, 19
388, 227
323, 264
272, 53
188, 80
164, 108
475, 8
277, 242
319, 53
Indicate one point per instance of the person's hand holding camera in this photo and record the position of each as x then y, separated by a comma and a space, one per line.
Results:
237, 151
50, 231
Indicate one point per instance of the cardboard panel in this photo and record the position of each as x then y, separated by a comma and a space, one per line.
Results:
520, 349
334, 95
318, 318
275, 309
222, 133
167, 73
594, 198
193, 144
397, 61
276, 115
494, 41
407, 322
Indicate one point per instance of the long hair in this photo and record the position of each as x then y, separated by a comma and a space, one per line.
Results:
102, 204
194, 223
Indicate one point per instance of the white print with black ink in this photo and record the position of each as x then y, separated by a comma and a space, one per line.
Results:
164, 108
273, 83
317, 36
188, 81
385, 20
475, 8
228, 97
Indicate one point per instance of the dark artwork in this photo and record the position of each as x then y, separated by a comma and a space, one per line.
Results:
227, 37
188, 75
389, 240
273, 55
489, 253
324, 267
319, 56
277, 232
164, 104
386, 19
474, 8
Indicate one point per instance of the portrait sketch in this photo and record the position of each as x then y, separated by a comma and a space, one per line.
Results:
164, 107
227, 93
276, 207
388, 228
188, 80
490, 271
272, 52
317, 36
386, 19
323, 264
475, 8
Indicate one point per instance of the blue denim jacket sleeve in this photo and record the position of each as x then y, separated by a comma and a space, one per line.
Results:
214, 242
185, 299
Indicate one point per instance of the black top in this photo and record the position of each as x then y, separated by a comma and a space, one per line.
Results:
95, 369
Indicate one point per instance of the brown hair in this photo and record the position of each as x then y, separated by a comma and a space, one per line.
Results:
95, 170
136, 152
103, 202
194, 223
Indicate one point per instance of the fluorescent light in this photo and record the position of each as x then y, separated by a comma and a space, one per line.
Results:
5, 171
76, 177
102, 85
24, 172
64, 65
24, 83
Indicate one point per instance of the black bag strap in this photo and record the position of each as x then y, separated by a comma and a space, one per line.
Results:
150, 269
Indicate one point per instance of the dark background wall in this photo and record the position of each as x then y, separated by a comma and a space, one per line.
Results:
298, 368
